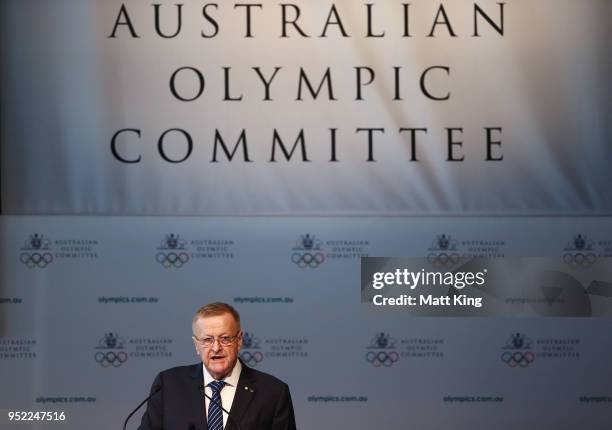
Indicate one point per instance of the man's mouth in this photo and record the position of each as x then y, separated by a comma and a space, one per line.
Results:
217, 357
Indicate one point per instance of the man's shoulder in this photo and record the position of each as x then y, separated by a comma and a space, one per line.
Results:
181, 371
262, 377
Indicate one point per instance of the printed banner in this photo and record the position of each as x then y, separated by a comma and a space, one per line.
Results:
91, 308
308, 107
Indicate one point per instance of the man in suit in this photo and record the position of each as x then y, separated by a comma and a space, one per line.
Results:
255, 400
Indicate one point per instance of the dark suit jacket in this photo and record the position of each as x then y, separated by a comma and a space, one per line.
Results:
262, 402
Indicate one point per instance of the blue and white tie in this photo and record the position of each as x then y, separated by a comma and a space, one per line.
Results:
215, 414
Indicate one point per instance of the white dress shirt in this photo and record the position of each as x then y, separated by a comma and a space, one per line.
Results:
227, 393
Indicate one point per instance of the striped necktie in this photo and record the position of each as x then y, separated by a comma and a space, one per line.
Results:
215, 414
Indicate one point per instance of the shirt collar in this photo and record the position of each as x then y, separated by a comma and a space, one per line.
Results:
231, 379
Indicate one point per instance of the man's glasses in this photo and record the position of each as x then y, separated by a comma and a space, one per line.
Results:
208, 341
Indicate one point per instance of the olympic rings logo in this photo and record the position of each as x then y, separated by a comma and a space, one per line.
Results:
443, 259
36, 259
308, 259
580, 259
518, 358
382, 358
172, 259
110, 358
252, 359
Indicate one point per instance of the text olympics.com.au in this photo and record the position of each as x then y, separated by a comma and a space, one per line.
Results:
412, 280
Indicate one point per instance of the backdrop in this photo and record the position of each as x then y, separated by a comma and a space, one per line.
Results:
386, 107
159, 156
95, 307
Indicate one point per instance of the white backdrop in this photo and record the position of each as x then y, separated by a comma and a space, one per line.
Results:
542, 87
442, 373
92, 307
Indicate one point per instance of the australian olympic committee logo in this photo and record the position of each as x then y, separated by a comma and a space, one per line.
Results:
172, 252
111, 351
36, 252
580, 251
381, 351
443, 251
308, 252
250, 353
517, 351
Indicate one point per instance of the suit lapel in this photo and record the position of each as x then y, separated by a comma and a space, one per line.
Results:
197, 400
245, 392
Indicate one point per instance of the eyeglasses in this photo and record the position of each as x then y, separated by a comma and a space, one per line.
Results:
210, 340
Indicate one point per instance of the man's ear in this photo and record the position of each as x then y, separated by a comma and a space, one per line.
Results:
240, 339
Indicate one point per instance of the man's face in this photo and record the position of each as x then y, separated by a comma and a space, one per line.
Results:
218, 359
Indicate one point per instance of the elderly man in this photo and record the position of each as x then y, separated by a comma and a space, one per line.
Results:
197, 397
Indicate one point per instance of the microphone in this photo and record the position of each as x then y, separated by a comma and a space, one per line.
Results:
229, 417
155, 390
